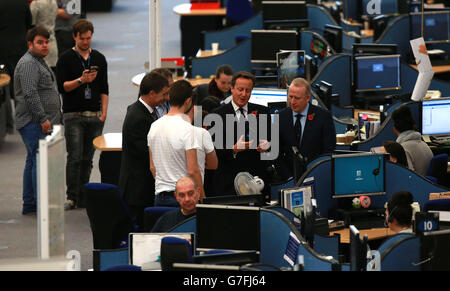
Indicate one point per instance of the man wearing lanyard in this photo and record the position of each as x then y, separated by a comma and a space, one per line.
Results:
83, 83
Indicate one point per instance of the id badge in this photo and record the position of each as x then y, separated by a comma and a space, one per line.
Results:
87, 93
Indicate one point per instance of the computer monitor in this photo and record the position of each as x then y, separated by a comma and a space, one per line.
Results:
227, 228
227, 258
372, 49
358, 174
145, 248
266, 44
242, 200
290, 65
435, 116
435, 252
325, 92
333, 35
263, 96
283, 13
386, 7
377, 73
436, 26
358, 250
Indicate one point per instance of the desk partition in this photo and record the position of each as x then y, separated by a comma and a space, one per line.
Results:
318, 16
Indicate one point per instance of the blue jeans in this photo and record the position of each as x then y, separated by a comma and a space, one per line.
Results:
163, 199
31, 133
79, 132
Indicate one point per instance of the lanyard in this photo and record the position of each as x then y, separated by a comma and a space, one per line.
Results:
82, 60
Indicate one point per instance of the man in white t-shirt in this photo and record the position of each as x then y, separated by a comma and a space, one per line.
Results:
173, 146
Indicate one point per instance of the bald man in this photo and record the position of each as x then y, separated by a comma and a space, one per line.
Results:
187, 193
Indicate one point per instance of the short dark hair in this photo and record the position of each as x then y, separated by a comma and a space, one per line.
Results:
397, 151
243, 74
403, 119
163, 71
82, 26
35, 31
180, 91
400, 208
152, 81
224, 69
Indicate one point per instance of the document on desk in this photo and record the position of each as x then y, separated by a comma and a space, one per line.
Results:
291, 251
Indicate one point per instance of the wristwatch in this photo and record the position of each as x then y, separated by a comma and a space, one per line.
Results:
79, 81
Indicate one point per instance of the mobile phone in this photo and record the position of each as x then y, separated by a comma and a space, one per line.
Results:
93, 69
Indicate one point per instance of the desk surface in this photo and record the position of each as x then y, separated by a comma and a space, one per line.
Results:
207, 53
194, 81
109, 142
372, 234
185, 10
4, 79
437, 69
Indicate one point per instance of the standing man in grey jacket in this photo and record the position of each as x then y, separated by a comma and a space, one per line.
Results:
417, 151
38, 106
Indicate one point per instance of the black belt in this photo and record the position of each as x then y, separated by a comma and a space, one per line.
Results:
167, 193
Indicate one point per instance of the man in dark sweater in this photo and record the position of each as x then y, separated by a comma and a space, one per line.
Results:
187, 194
83, 83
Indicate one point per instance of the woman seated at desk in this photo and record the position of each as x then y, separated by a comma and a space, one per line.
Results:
399, 212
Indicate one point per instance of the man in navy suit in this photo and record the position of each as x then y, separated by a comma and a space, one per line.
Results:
243, 153
313, 134
136, 182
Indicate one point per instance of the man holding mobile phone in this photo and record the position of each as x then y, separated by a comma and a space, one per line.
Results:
83, 83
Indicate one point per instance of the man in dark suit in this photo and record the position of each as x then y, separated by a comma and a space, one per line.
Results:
136, 181
241, 151
313, 134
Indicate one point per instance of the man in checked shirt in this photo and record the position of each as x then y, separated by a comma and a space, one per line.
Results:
38, 106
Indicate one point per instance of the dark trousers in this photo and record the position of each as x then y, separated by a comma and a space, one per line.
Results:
79, 132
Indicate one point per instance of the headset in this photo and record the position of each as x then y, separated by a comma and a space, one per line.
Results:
376, 171
389, 218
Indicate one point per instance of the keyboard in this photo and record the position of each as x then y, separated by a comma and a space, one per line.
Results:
440, 139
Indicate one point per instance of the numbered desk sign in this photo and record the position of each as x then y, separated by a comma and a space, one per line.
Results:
426, 221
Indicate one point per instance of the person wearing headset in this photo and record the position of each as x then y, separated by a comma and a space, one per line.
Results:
399, 212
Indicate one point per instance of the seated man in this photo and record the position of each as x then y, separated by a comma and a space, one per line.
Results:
187, 194
399, 212
417, 151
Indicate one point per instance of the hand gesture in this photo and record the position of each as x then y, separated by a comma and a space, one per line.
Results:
88, 76
263, 146
241, 145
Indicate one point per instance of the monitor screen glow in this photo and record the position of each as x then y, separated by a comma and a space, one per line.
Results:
436, 26
358, 174
377, 73
435, 116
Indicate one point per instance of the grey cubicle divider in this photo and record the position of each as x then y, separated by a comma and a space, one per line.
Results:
336, 70
227, 37
318, 16
397, 32
237, 57
386, 130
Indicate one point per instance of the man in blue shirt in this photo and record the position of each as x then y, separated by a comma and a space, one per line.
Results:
187, 194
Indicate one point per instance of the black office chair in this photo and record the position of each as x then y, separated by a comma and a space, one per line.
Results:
108, 216
438, 168
174, 250
152, 214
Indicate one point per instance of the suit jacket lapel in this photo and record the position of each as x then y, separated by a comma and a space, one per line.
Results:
308, 131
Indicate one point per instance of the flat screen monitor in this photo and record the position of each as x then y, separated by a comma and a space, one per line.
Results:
377, 73
435, 116
369, 7
227, 228
263, 96
283, 12
242, 200
228, 258
435, 252
358, 174
333, 35
436, 26
358, 250
290, 65
266, 44
371, 49
297, 200
145, 248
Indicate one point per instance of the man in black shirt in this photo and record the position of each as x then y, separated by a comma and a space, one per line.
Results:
83, 83
187, 194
